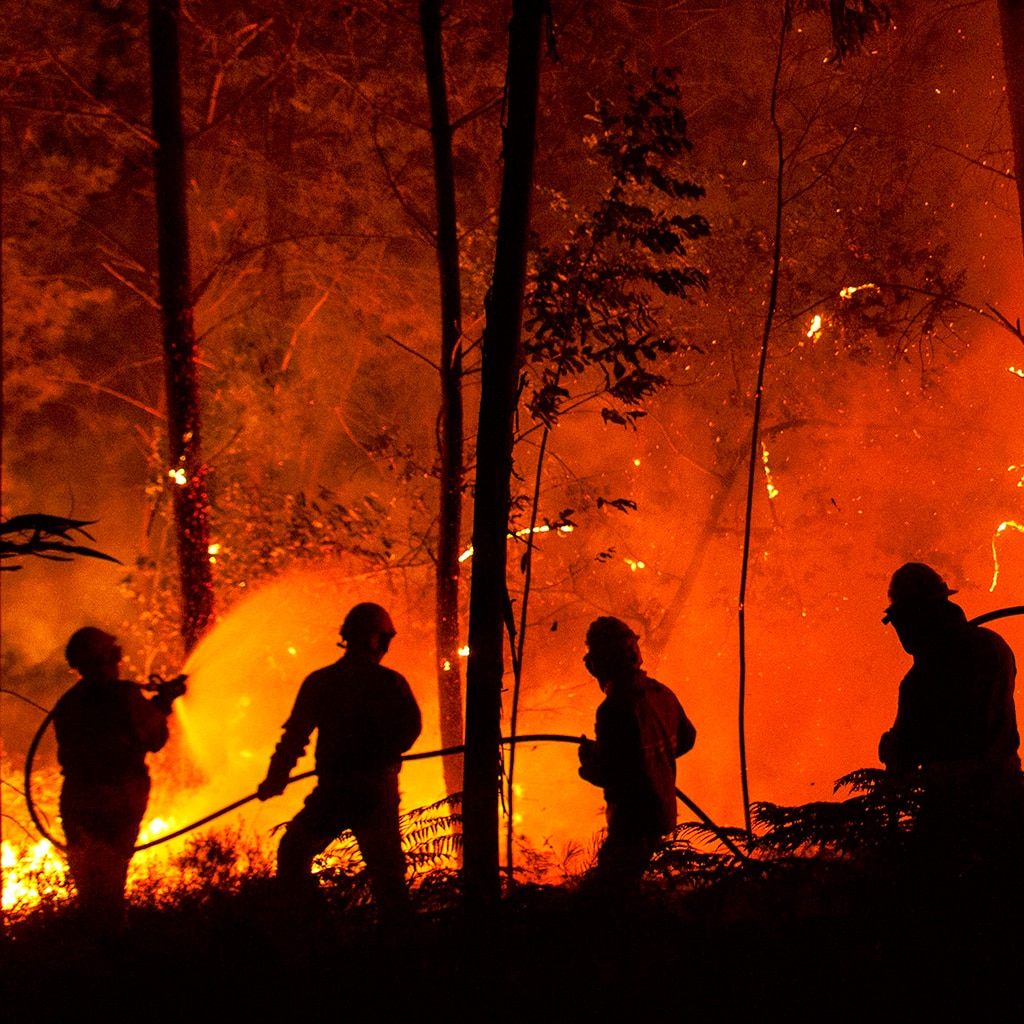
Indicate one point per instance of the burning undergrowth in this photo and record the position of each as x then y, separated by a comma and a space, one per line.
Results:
841, 937
222, 862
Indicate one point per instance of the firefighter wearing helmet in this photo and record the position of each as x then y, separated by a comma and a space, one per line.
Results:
640, 730
365, 717
956, 702
956, 724
105, 727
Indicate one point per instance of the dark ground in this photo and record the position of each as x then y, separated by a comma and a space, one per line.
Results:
805, 941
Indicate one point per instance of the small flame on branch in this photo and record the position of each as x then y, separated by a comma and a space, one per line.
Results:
1017, 371
850, 290
1009, 524
546, 528
773, 491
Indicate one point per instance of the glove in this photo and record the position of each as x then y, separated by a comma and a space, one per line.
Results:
167, 690
586, 749
270, 787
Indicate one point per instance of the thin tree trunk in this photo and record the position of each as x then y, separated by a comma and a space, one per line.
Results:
501, 361
769, 322
186, 470
1011, 19
450, 427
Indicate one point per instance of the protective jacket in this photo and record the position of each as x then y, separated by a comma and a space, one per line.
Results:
105, 728
956, 705
640, 730
366, 717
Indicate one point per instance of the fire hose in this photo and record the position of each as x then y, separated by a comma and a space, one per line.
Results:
505, 740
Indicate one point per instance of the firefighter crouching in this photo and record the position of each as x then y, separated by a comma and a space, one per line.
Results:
105, 727
366, 717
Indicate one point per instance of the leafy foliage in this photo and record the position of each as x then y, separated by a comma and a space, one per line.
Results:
595, 302
877, 817
431, 840
45, 536
692, 864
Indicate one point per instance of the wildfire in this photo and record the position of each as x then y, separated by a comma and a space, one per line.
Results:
32, 873
1008, 524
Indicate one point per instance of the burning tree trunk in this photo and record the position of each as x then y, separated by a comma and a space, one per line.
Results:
450, 426
186, 470
1011, 18
488, 603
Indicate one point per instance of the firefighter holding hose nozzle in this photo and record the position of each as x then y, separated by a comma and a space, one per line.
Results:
105, 728
366, 717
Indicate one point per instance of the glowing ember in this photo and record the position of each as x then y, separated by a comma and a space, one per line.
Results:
815, 329
1017, 370
1008, 524
634, 565
178, 476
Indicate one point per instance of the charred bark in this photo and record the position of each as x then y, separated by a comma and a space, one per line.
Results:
450, 425
488, 600
1011, 20
186, 470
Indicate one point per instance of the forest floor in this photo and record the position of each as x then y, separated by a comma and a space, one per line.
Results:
808, 940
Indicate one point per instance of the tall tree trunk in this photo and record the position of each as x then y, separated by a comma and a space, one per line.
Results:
1011, 19
488, 601
450, 426
186, 470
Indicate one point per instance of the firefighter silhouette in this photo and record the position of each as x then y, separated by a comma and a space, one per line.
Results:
366, 717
